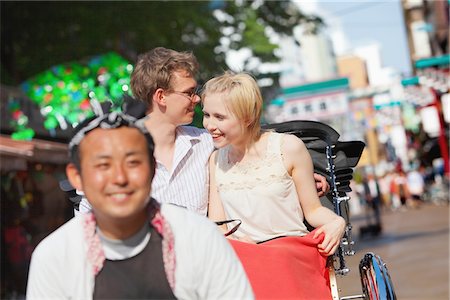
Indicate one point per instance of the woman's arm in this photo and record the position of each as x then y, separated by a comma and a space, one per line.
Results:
215, 207
299, 165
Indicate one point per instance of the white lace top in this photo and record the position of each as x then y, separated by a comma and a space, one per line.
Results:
260, 193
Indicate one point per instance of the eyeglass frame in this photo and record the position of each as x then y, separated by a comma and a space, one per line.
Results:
189, 95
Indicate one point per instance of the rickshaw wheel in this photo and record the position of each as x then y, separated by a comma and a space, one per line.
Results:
375, 279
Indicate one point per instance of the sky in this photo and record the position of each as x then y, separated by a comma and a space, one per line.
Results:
356, 23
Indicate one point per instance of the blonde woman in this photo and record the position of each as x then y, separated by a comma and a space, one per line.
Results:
266, 180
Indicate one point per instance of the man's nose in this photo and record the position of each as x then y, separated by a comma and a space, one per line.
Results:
196, 99
120, 175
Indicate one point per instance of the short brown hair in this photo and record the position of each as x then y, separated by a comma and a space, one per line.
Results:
154, 70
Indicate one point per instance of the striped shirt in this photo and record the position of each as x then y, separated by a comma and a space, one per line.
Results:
186, 184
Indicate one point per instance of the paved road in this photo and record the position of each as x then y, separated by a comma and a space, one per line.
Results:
414, 245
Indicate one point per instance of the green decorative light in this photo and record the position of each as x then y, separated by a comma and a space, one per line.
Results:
63, 91
19, 121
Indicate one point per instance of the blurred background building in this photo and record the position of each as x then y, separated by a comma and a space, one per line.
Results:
363, 99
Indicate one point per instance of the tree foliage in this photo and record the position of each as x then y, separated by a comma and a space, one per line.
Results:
37, 35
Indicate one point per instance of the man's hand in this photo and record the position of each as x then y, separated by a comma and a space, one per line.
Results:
322, 185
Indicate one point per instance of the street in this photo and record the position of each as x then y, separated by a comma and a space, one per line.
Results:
414, 245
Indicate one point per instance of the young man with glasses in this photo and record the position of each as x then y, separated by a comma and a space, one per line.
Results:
165, 80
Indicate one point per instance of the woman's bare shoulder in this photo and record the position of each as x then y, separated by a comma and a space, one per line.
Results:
292, 144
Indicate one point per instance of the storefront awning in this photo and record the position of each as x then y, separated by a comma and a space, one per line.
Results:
36, 150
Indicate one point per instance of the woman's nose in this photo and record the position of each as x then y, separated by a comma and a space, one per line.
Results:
208, 124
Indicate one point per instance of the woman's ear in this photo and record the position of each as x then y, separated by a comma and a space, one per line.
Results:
74, 176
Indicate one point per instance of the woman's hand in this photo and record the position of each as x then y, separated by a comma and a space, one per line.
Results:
333, 232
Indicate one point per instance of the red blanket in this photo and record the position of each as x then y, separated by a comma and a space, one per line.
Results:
285, 268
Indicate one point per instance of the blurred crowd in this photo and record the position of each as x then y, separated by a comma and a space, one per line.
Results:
399, 189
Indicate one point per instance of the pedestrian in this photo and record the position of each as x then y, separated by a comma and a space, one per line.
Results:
372, 196
400, 190
385, 189
129, 246
416, 185
265, 179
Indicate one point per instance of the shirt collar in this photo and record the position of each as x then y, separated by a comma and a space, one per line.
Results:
183, 134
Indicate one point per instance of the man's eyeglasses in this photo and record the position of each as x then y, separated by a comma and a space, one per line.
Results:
190, 94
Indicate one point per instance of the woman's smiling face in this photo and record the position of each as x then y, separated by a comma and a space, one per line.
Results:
221, 123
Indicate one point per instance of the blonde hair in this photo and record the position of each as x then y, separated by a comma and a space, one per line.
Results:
243, 99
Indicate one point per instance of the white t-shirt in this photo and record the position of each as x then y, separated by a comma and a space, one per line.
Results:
206, 265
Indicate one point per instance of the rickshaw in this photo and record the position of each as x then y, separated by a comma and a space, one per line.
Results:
335, 160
